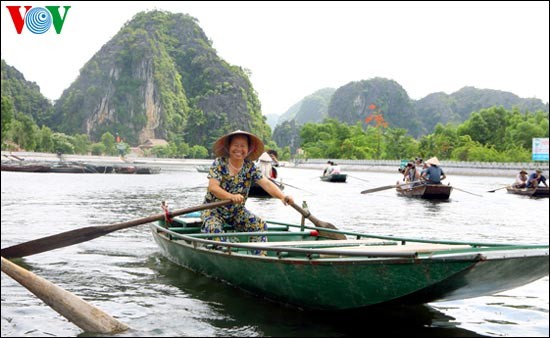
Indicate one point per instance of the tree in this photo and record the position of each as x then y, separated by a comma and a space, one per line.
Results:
7, 117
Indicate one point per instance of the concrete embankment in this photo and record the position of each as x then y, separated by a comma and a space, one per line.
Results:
449, 167
172, 164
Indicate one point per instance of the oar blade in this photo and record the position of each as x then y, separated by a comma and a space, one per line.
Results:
53, 242
88, 233
386, 187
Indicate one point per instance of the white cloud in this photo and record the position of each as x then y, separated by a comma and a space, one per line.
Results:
296, 48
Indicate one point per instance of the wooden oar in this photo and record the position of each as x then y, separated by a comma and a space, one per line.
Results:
357, 178
282, 183
506, 186
85, 234
84, 315
320, 224
471, 193
386, 187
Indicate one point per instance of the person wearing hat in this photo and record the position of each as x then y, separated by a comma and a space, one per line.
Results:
265, 162
328, 168
535, 178
275, 162
230, 178
433, 174
521, 179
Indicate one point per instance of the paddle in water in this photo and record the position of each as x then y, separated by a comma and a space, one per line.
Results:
506, 186
88, 233
386, 187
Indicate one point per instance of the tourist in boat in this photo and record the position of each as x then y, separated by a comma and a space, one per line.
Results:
418, 164
433, 174
521, 179
334, 169
535, 179
266, 166
410, 174
275, 162
230, 178
328, 168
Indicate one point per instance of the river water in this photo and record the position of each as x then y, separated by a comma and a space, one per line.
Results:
123, 273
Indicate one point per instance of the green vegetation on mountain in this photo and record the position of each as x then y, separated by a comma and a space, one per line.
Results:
489, 135
160, 77
312, 108
24, 95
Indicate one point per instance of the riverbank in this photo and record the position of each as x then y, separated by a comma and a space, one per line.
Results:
175, 164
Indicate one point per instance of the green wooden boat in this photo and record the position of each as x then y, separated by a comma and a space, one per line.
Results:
309, 271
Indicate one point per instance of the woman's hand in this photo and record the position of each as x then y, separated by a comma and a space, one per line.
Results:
237, 198
287, 199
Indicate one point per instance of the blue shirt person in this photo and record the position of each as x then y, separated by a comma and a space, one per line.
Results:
433, 174
535, 178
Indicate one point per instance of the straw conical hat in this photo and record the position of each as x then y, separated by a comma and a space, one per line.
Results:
433, 161
265, 157
255, 148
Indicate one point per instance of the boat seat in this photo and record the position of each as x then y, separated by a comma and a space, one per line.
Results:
418, 248
329, 243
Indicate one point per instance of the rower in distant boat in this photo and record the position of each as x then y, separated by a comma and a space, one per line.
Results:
433, 174
535, 179
265, 162
328, 168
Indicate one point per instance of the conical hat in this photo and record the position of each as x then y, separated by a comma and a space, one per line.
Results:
433, 161
265, 157
255, 148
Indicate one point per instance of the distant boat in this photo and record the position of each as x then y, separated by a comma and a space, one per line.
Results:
147, 170
30, 168
537, 192
339, 178
203, 168
426, 191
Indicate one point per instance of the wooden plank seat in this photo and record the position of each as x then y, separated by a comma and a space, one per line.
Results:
418, 248
327, 243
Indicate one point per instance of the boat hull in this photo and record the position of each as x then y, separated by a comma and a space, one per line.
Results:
257, 191
538, 192
336, 282
426, 191
338, 178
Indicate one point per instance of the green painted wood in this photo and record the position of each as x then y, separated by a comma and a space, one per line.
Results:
313, 279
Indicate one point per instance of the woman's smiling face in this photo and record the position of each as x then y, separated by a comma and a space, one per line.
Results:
238, 148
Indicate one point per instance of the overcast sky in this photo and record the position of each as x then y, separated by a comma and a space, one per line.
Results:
295, 48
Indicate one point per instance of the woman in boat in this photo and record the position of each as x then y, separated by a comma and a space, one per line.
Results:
535, 178
328, 168
433, 174
521, 179
265, 164
334, 168
410, 174
230, 178
275, 162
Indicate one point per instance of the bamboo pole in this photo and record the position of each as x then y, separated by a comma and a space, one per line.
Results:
84, 315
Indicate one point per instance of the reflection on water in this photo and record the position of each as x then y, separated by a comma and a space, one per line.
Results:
124, 274
262, 317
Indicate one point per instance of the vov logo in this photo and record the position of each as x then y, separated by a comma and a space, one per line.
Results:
38, 19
